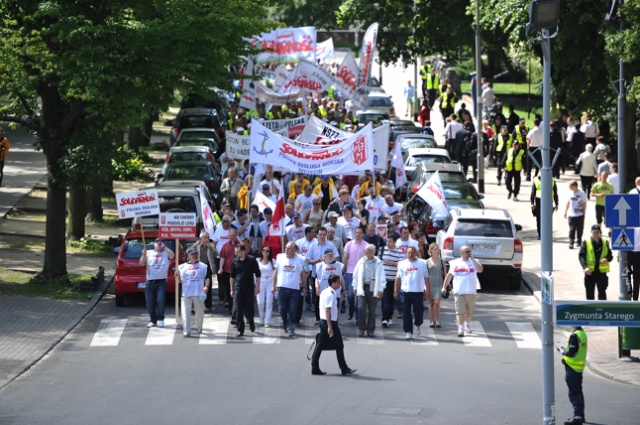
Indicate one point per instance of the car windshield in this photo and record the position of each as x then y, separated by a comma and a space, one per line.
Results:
371, 117
182, 203
408, 143
192, 172
191, 121
197, 135
198, 142
133, 247
444, 177
189, 156
484, 228
460, 192
380, 101
431, 159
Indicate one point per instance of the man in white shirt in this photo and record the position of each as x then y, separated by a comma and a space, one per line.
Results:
290, 279
452, 128
323, 270
405, 241
219, 238
374, 203
534, 141
157, 262
244, 226
614, 178
590, 129
329, 329
295, 231
488, 98
390, 206
411, 288
337, 227
348, 221
575, 211
464, 273
195, 284
304, 201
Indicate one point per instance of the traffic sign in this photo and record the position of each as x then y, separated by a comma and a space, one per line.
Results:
622, 210
597, 313
622, 239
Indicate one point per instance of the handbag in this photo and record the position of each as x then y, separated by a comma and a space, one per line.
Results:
329, 345
447, 291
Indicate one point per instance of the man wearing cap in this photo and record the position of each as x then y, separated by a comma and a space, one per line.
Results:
348, 221
264, 224
595, 256
195, 284
343, 199
323, 270
396, 219
304, 201
266, 191
157, 262
243, 225
513, 164
368, 285
332, 223
227, 209
295, 231
574, 357
499, 149
231, 186
243, 287
221, 237
291, 278
206, 255
227, 254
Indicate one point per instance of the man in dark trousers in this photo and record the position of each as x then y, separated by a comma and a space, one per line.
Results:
574, 357
595, 256
243, 286
536, 194
462, 146
329, 329
513, 165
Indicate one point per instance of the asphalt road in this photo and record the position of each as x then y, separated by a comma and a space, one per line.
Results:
437, 378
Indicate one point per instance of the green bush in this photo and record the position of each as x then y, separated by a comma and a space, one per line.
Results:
129, 165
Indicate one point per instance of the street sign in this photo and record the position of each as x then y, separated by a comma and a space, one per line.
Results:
177, 226
547, 288
622, 239
596, 313
137, 204
622, 210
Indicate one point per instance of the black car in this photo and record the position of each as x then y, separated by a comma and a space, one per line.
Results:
206, 172
194, 118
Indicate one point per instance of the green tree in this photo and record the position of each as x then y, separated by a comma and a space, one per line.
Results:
302, 13
79, 71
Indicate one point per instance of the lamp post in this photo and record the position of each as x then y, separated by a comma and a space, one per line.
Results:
478, 100
543, 16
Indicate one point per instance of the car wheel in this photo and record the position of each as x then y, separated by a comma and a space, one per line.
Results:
515, 281
120, 300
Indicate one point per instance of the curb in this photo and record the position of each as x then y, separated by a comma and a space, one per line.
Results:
36, 187
91, 304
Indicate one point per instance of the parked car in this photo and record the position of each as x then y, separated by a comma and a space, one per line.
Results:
130, 276
365, 117
412, 139
380, 102
194, 118
212, 144
207, 172
189, 153
449, 173
493, 239
415, 156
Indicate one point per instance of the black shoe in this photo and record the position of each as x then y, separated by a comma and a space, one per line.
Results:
538, 237
571, 245
318, 372
240, 334
573, 421
515, 198
349, 371
252, 327
350, 316
343, 307
233, 322
498, 182
509, 195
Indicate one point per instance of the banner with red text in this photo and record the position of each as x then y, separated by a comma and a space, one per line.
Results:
137, 204
325, 50
348, 72
353, 154
287, 45
433, 194
269, 96
366, 54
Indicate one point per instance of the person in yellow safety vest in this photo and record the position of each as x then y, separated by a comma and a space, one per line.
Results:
300, 178
432, 84
536, 193
574, 357
442, 88
364, 188
425, 72
448, 102
595, 256
331, 91
513, 166
499, 149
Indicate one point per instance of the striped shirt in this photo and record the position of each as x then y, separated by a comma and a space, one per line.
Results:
395, 255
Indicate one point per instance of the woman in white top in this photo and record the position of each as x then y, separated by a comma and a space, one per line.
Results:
314, 216
265, 297
437, 272
588, 168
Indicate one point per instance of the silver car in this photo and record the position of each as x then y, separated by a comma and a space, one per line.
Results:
493, 239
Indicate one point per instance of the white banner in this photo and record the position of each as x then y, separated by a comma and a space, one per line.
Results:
287, 45
294, 126
208, 220
433, 194
398, 163
366, 54
348, 72
307, 76
281, 75
263, 202
248, 98
177, 226
317, 132
137, 204
353, 154
238, 146
325, 50
269, 96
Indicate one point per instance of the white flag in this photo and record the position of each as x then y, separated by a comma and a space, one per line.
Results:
433, 194
366, 54
398, 163
263, 202
207, 215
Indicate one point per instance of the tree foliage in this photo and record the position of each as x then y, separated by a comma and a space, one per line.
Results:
78, 71
303, 13
626, 44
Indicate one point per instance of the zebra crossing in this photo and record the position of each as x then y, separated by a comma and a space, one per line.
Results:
218, 331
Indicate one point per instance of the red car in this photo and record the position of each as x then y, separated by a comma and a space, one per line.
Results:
130, 275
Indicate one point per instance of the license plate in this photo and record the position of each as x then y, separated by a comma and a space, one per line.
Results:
483, 247
141, 285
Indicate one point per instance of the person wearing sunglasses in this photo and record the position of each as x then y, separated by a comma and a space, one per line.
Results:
463, 272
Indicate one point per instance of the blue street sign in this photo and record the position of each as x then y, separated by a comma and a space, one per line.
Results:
622, 239
622, 210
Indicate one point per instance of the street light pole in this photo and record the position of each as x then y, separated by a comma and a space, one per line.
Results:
478, 100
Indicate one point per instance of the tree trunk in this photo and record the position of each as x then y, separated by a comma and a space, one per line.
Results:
95, 212
77, 213
631, 151
147, 129
135, 138
55, 251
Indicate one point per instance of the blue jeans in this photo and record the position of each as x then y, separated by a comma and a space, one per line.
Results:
288, 304
155, 294
411, 300
348, 283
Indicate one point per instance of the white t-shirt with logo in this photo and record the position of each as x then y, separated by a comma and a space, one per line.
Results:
304, 245
304, 204
221, 237
294, 233
412, 275
324, 270
192, 277
157, 264
374, 206
349, 225
289, 270
404, 245
576, 203
465, 276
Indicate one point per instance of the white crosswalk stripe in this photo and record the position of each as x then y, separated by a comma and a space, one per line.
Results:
426, 338
214, 331
478, 337
271, 335
162, 336
108, 333
524, 335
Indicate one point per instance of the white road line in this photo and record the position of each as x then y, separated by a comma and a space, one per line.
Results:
427, 337
525, 335
267, 335
214, 331
478, 337
162, 336
108, 333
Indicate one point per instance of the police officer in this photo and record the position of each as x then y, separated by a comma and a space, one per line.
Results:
536, 194
574, 357
432, 84
513, 165
425, 71
595, 256
500, 145
329, 329
448, 102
